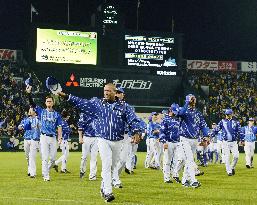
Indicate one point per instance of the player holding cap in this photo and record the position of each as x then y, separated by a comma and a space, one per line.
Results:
111, 117
231, 133
192, 122
248, 138
50, 121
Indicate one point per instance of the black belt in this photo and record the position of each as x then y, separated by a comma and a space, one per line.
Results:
48, 135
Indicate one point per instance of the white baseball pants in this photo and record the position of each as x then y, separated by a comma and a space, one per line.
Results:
233, 148
65, 154
48, 151
249, 152
109, 153
89, 146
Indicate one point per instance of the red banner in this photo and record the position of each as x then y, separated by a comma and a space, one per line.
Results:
227, 65
7, 54
202, 65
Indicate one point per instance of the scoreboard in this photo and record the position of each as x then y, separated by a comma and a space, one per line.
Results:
150, 51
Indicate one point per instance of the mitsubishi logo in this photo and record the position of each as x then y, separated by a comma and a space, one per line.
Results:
72, 81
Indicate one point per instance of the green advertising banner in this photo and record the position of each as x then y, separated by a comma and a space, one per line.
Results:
61, 46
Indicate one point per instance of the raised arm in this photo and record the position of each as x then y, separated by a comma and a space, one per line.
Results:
89, 107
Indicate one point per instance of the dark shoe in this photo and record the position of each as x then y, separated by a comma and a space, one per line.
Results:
109, 197
230, 174
28, 174
248, 166
196, 184
186, 184
55, 168
33, 177
233, 171
65, 171
93, 178
177, 180
168, 182
199, 173
81, 174
127, 171
118, 186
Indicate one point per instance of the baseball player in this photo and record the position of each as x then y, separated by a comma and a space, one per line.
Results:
111, 115
220, 146
248, 138
66, 131
231, 134
26, 126
88, 139
50, 121
169, 136
192, 122
150, 151
154, 130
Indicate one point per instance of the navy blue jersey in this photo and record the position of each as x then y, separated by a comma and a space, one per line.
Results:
110, 118
169, 131
86, 125
230, 129
66, 130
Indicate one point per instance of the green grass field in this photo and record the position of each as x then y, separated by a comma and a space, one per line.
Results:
144, 187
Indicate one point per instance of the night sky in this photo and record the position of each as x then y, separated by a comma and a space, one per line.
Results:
213, 29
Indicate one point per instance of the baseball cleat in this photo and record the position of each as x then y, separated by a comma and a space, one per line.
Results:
186, 184
33, 177
55, 168
81, 174
199, 173
109, 197
46, 179
65, 171
168, 182
196, 184
117, 186
92, 178
127, 171
230, 174
28, 174
248, 166
177, 180
233, 171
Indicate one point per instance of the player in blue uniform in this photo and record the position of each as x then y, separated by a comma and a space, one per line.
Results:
248, 138
169, 136
88, 139
66, 131
192, 122
111, 115
50, 121
231, 134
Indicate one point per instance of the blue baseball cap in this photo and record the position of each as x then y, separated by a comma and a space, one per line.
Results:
228, 111
28, 82
120, 89
53, 85
174, 108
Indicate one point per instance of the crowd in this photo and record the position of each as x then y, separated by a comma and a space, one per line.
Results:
236, 90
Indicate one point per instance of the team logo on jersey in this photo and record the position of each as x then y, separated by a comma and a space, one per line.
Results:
72, 81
